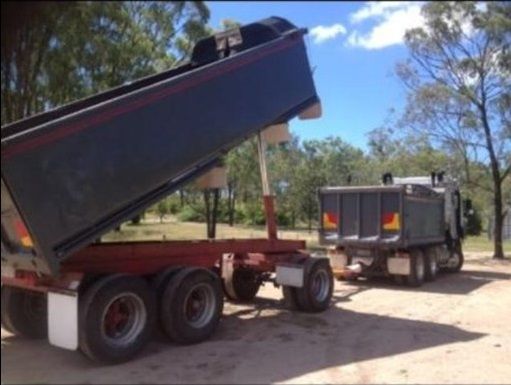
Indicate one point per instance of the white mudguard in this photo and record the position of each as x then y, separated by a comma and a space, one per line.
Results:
63, 320
289, 275
398, 266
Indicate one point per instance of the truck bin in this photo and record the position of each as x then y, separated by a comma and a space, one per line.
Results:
383, 217
72, 174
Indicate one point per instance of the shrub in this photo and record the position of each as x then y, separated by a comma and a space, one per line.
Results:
190, 214
474, 224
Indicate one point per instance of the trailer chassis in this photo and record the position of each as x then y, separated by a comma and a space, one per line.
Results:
109, 297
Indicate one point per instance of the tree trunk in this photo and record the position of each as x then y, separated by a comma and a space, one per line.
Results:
181, 198
208, 210
499, 221
309, 214
498, 252
231, 202
214, 214
211, 211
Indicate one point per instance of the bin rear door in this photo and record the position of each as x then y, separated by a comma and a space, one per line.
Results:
329, 220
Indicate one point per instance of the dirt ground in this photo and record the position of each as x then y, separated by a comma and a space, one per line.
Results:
454, 330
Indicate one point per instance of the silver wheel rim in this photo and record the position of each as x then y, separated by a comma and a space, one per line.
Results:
454, 260
419, 267
433, 265
199, 305
320, 285
123, 319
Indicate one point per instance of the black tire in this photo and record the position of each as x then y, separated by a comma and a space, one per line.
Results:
242, 285
24, 312
458, 259
431, 264
116, 302
417, 269
160, 281
192, 290
290, 300
399, 280
316, 293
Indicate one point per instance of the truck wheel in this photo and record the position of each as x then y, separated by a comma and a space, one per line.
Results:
160, 281
191, 305
290, 300
417, 269
316, 293
24, 312
399, 279
455, 261
242, 285
431, 264
117, 315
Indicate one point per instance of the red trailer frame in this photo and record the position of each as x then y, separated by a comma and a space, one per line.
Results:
235, 266
150, 257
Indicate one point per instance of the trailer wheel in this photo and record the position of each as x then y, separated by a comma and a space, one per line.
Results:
417, 269
242, 285
160, 281
399, 279
191, 305
316, 293
24, 312
290, 300
431, 264
117, 315
455, 261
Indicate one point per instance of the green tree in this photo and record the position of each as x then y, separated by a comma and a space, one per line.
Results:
162, 209
459, 83
56, 52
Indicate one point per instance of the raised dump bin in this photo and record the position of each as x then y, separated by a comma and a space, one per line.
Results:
72, 174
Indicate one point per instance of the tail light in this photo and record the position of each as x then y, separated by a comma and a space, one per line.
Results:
390, 221
330, 221
22, 233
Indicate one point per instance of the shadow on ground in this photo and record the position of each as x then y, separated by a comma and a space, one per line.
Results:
256, 343
460, 283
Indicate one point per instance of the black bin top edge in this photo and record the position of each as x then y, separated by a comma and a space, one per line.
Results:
252, 35
204, 52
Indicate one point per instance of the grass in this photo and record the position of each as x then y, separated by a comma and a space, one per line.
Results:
152, 229
482, 243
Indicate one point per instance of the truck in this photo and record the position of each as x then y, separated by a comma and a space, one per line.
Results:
71, 174
407, 229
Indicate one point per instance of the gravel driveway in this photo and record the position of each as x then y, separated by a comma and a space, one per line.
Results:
454, 330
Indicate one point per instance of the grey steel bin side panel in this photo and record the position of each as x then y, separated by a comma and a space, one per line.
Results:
421, 219
349, 216
205, 51
368, 214
71, 184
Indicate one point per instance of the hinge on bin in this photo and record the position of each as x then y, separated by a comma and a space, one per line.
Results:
227, 40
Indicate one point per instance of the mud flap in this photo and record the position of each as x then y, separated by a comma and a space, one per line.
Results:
63, 320
398, 266
289, 275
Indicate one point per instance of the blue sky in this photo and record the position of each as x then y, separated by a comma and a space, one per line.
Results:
354, 46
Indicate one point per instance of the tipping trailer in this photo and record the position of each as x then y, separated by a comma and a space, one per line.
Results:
72, 174
407, 228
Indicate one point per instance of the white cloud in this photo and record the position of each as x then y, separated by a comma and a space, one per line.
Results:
322, 33
390, 22
374, 9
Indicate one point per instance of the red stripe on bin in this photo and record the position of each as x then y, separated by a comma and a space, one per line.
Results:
64, 131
